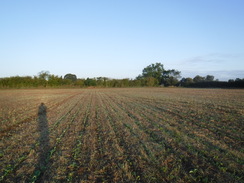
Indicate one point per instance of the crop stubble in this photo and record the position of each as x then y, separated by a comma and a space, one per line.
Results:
123, 135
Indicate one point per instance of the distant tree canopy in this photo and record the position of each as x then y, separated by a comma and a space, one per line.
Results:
154, 71
159, 76
90, 82
209, 82
152, 75
44, 75
71, 77
198, 79
209, 78
171, 77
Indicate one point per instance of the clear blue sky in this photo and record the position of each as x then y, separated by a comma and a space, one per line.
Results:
118, 38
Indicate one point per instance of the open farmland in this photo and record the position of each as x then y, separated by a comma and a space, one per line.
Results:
122, 135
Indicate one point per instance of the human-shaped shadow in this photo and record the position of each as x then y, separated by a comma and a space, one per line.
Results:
43, 141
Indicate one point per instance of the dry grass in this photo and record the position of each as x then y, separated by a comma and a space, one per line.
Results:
122, 135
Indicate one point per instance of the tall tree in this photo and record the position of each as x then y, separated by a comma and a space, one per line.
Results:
43, 78
44, 75
171, 77
71, 77
154, 70
209, 78
198, 79
162, 76
186, 81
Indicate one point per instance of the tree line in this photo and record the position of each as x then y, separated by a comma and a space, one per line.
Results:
152, 75
204, 82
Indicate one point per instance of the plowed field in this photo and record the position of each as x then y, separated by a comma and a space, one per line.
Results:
122, 135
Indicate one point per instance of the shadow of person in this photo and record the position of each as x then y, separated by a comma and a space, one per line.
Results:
43, 141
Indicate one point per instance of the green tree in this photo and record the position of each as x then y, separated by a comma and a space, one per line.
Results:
90, 82
80, 82
44, 75
198, 79
154, 70
54, 80
71, 77
162, 76
43, 78
151, 81
171, 77
186, 81
209, 78
102, 81
125, 82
